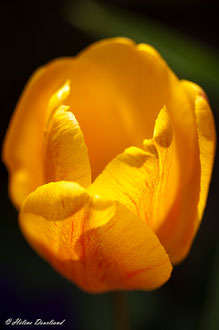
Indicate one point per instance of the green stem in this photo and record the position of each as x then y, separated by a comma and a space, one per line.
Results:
120, 305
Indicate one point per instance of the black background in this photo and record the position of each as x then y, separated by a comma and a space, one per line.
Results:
32, 33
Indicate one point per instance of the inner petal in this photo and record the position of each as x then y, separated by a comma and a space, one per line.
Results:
113, 115
105, 119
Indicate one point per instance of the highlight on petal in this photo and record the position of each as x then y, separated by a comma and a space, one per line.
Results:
140, 179
57, 99
207, 142
168, 175
65, 152
206, 137
95, 242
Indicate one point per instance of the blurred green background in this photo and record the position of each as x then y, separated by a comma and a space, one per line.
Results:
186, 34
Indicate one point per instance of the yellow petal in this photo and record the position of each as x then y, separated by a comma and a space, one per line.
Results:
23, 144
177, 231
22, 149
131, 178
149, 182
145, 181
168, 169
178, 186
207, 139
58, 99
65, 152
207, 143
137, 84
97, 243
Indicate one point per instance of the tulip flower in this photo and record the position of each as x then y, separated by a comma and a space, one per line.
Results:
110, 157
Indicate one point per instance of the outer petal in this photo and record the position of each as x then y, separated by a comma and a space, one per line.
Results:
66, 155
207, 139
23, 145
22, 149
97, 243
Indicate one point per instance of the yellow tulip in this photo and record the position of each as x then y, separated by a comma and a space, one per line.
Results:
110, 157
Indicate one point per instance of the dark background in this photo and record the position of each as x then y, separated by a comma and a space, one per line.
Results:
34, 32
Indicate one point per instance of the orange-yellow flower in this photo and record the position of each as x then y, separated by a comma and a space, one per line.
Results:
145, 138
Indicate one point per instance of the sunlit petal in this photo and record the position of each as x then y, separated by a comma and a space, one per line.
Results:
97, 243
65, 152
207, 139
